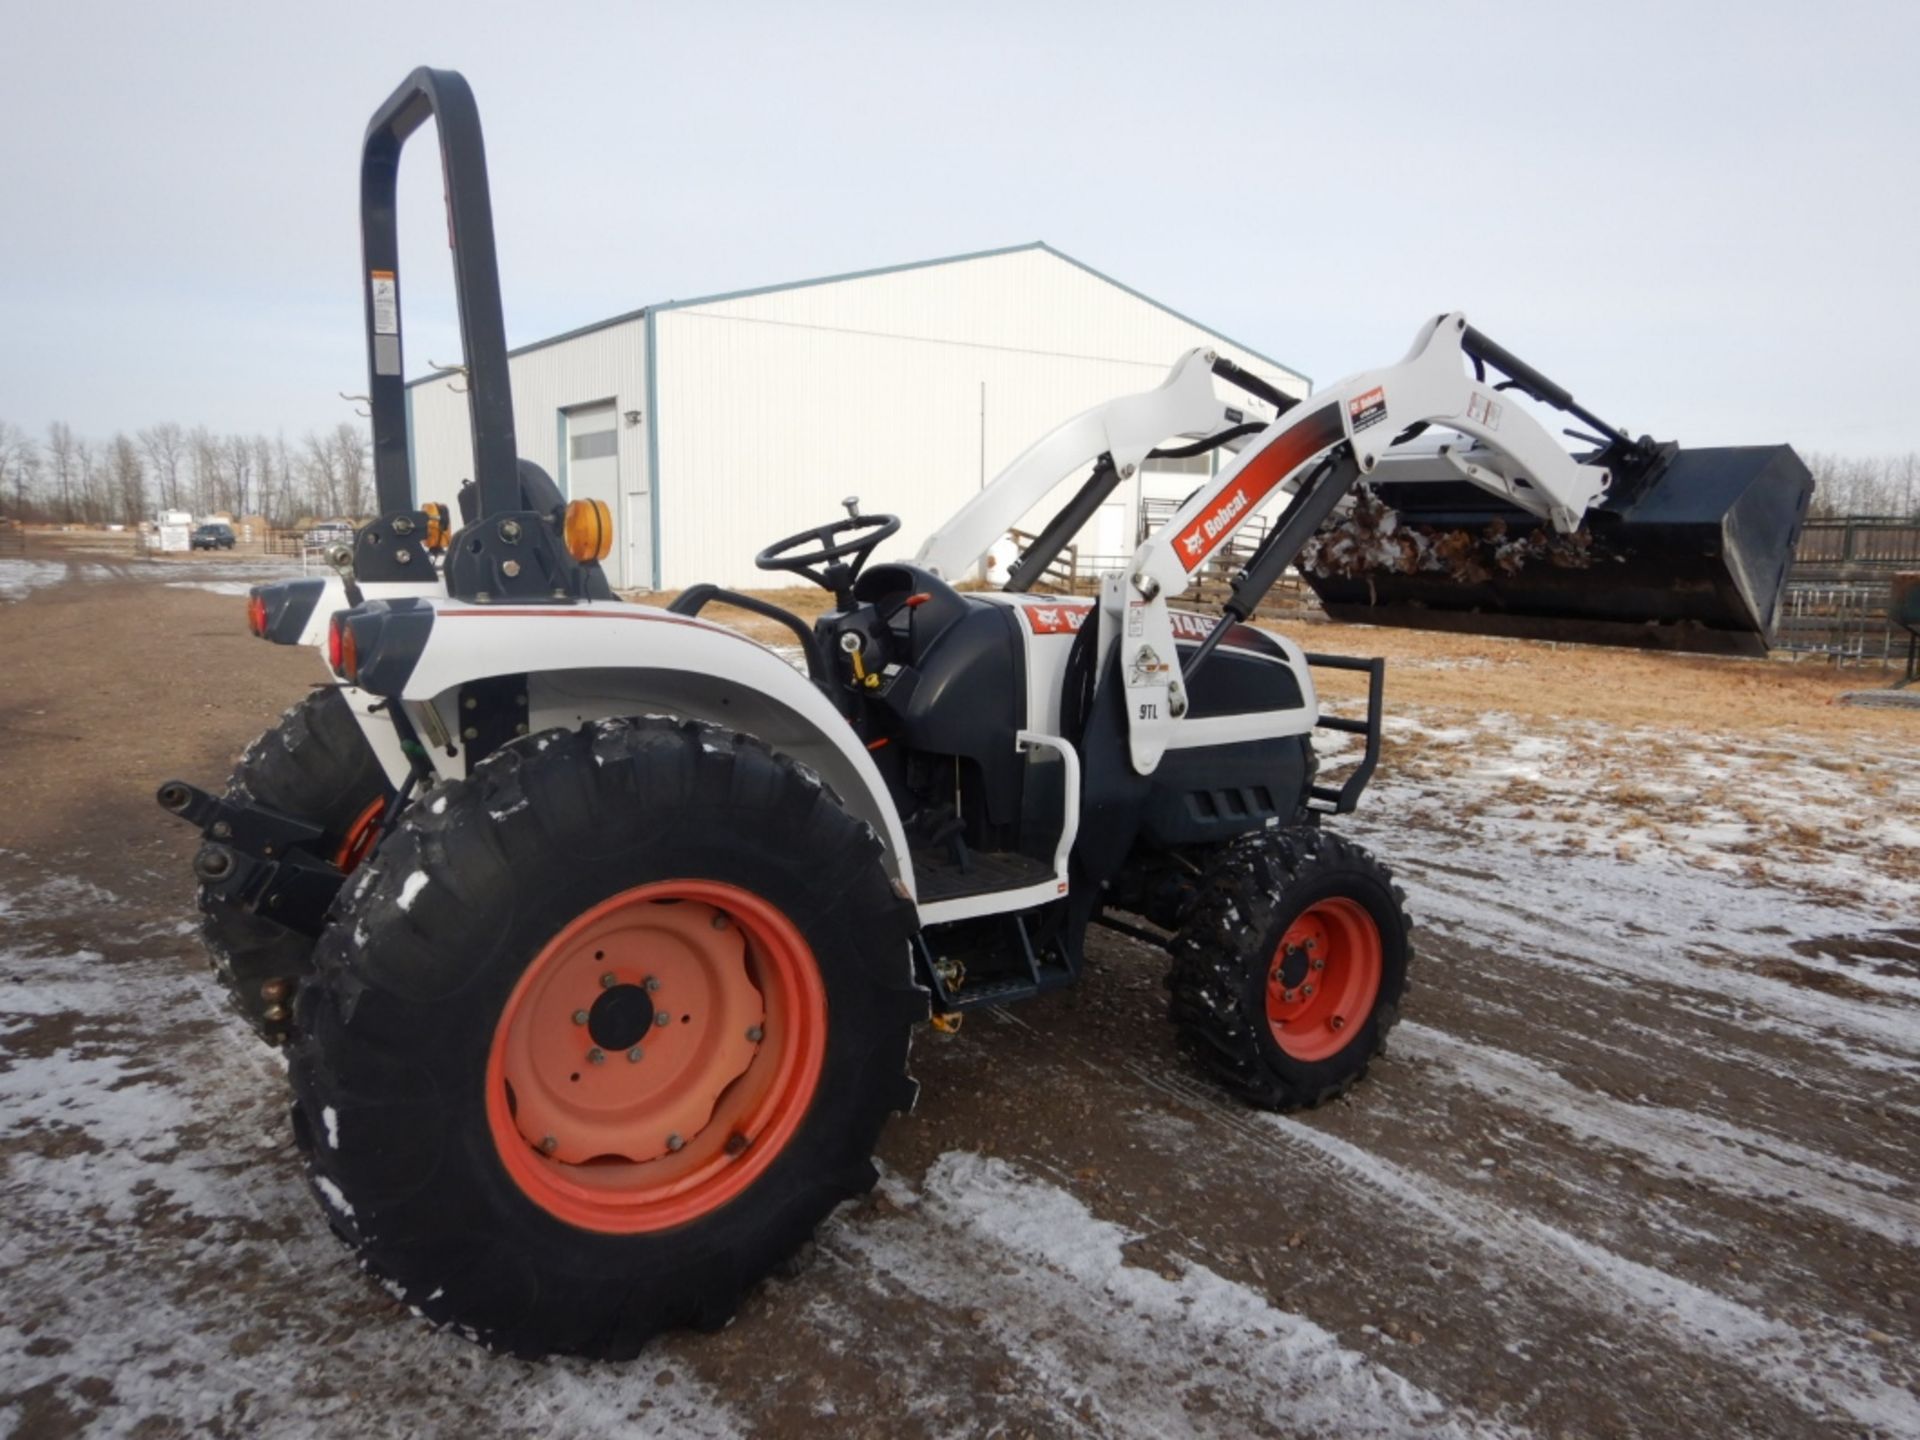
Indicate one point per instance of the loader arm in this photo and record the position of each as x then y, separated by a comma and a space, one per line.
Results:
1117, 436
1315, 453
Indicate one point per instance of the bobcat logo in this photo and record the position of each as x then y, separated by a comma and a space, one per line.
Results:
1193, 543
1055, 619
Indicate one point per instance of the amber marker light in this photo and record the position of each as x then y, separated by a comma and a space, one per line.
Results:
589, 530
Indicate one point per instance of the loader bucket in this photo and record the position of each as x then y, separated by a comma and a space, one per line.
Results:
1689, 552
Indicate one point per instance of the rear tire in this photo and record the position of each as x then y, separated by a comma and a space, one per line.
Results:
315, 765
1289, 970
497, 1159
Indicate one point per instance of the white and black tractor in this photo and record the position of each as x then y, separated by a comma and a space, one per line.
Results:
597, 932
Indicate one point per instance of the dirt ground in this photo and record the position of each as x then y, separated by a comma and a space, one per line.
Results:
1642, 1161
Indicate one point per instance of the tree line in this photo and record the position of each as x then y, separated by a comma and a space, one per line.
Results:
69, 479
1865, 485
64, 478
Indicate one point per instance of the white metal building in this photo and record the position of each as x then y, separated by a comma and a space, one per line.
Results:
715, 426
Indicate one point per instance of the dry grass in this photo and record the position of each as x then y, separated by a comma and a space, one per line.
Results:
1684, 694
1538, 680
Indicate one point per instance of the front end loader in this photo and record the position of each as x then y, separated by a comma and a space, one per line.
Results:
597, 932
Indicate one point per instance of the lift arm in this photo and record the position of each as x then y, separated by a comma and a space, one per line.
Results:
1316, 452
1117, 436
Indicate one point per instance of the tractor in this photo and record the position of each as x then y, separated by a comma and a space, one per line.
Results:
596, 933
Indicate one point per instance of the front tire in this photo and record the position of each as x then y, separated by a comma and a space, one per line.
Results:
1289, 970
603, 1033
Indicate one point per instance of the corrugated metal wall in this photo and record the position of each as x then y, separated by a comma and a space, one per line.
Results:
905, 388
609, 364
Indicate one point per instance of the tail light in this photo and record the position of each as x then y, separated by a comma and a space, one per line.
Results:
257, 614
342, 654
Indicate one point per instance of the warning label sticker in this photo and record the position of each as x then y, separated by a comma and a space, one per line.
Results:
386, 302
1367, 409
1484, 409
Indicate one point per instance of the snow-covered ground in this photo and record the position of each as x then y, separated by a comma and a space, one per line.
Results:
20, 578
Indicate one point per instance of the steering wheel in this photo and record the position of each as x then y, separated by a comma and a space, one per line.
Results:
832, 544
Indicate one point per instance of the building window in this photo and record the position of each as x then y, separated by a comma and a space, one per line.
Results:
596, 445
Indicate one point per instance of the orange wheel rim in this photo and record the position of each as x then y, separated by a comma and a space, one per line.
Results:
1323, 979
360, 837
656, 1056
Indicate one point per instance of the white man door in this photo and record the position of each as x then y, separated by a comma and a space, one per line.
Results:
594, 472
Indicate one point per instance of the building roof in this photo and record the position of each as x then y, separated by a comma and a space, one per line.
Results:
1041, 245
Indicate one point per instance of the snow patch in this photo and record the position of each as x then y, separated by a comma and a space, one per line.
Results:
334, 1198
20, 578
411, 888
214, 587
331, 1119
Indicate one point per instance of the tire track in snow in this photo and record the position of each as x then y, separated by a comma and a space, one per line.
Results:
1130, 1351
1826, 1377
1679, 1143
1532, 936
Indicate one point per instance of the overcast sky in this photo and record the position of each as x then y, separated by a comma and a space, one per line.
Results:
1700, 218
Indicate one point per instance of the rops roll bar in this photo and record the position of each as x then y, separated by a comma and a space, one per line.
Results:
443, 97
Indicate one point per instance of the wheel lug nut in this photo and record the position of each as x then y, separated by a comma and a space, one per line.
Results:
736, 1142
596, 1056
1306, 991
607, 981
1319, 964
633, 1056
756, 1034
662, 1018
549, 1145
719, 922
1290, 995
579, 1017
674, 1142
1337, 1023
653, 982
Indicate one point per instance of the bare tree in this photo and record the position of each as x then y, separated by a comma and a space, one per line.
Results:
354, 468
203, 449
126, 477
236, 451
26, 481
266, 483
15, 449
1865, 485
165, 446
319, 465
90, 475
286, 477
1905, 483
63, 461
